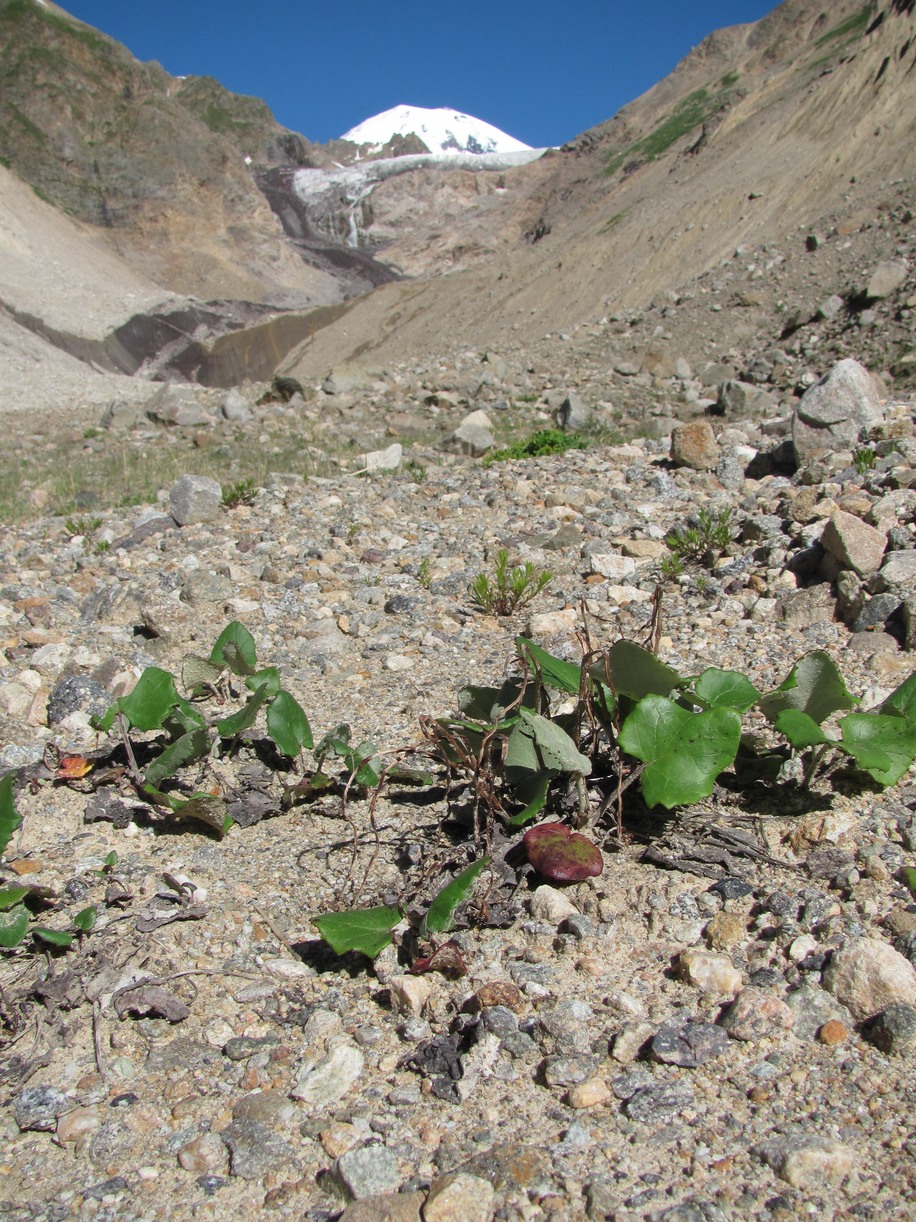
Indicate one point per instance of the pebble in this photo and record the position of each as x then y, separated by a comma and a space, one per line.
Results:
459, 1197
327, 1081
630, 1041
689, 1044
756, 1014
77, 1123
709, 972
409, 994
568, 1070
809, 1162
833, 1033
38, 1107
592, 1093
894, 1030
367, 1171
551, 904
270, 1107
387, 1207
867, 975
662, 1102
205, 1155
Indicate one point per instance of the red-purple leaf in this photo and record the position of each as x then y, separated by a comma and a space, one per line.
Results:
561, 855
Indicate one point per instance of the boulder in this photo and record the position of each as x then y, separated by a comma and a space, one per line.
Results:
886, 279
834, 411
195, 498
694, 445
853, 543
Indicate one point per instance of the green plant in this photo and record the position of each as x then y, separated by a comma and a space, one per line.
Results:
424, 574
415, 470
15, 916
539, 444
243, 492
863, 459
688, 114
75, 526
156, 704
701, 544
510, 589
102, 548
636, 718
90, 434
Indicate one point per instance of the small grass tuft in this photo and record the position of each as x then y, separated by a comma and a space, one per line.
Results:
510, 589
539, 444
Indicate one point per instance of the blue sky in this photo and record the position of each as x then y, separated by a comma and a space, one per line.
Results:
538, 69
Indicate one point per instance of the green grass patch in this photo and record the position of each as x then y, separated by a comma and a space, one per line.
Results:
856, 24
539, 444
122, 471
689, 113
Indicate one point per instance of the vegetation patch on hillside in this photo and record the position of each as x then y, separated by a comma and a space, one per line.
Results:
690, 113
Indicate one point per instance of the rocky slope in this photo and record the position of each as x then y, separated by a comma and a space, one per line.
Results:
721, 1028
761, 130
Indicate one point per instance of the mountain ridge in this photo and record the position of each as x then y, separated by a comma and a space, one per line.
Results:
759, 129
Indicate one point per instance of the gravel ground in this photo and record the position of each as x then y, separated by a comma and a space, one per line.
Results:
656, 1042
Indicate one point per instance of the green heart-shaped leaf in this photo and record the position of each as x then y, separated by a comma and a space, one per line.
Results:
813, 685
367, 930
683, 752
882, 745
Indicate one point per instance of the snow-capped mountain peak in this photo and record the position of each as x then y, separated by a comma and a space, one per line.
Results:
442, 130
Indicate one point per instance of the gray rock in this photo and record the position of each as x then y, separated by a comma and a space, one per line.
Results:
566, 1025
235, 406
77, 694
898, 572
834, 411
661, 1102
886, 279
573, 413
254, 1149
830, 308
367, 1171
177, 405
195, 498
853, 543
201, 587
345, 380
876, 612
569, 1070
499, 1020
38, 1107
813, 1007
894, 1030
472, 437
388, 459
689, 1044
743, 400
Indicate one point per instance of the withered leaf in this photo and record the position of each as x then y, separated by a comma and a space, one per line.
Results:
155, 918
151, 999
447, 959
